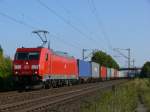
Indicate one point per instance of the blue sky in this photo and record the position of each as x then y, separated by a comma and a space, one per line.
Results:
126, 24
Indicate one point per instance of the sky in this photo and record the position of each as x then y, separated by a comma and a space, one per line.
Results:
77, 24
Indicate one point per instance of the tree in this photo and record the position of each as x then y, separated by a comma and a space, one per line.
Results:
145, 72
104, 59
5, 64
1, 50
6, 81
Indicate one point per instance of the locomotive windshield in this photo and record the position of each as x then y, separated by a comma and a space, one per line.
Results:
27, 56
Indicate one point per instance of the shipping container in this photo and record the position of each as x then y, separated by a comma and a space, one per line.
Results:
131, 74
95, 70
115, 74
122, 74
112, 73
103, 72
85, 70
108, 73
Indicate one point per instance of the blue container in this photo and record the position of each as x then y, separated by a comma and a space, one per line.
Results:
85, 69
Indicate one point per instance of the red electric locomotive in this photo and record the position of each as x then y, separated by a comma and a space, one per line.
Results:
32, 66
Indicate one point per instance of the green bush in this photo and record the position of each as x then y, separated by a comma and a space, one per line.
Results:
145, 72
5, 72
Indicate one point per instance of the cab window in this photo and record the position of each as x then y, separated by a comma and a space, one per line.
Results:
21, 56
33, 56
27, 56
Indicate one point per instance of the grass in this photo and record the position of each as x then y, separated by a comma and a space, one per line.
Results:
123, 98
144, 91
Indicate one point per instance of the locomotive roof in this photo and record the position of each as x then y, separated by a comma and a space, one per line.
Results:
28, 49
59, 53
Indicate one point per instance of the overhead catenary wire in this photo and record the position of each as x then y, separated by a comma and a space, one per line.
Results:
76, 45
65, 42
100, 23
84, 35
21, 22
17, 21
68, 12
32, 27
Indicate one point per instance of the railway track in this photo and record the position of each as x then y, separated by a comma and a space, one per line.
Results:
17, 97
39, 104
12, 97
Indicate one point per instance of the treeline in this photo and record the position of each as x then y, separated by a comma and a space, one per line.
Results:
5, 71
145, 72
104, 59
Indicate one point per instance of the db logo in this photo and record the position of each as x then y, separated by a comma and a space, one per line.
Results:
26, 67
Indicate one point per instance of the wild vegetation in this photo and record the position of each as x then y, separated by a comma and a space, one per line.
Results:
144, 92
5, 71
145, 70
104, 59
119, 99
124, 98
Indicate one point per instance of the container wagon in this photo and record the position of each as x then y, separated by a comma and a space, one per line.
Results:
95, 72
115, 74
85, 71
103, 73
112, 73
108, 73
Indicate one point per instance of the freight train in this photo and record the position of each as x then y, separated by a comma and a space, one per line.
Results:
34, 66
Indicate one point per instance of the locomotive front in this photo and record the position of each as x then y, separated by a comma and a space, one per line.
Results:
26, 65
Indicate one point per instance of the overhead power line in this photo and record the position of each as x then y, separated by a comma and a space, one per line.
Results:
68, 12
65, 20
32, 27
17, 21
66, 42
100, 23
76, 45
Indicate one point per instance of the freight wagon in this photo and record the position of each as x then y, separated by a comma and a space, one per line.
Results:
108, 73
115, 74
103, 73
95, 72
122, 74
112, 74
85, 71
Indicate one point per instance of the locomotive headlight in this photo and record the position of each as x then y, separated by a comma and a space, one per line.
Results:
35, 67
35, 72
16, 67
